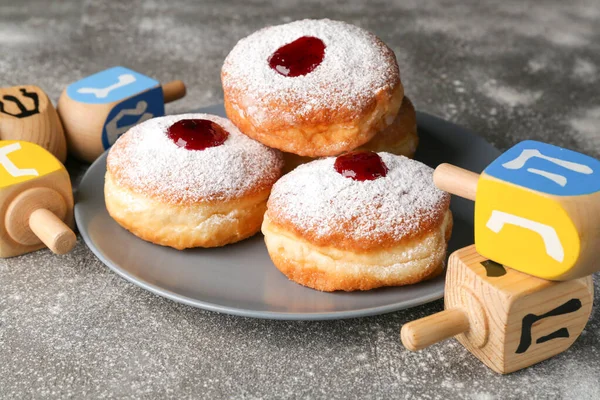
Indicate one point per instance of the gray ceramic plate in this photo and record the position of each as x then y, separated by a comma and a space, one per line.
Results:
240, 279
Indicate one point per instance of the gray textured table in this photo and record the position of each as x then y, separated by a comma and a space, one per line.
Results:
69, 327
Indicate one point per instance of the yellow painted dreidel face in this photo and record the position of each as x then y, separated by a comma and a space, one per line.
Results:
507, 319
36, 200
537, 210
27, 114
98, 109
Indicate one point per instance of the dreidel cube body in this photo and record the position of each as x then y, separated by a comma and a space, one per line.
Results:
36, 200
537, 209
26, 113
507, 319
96, 110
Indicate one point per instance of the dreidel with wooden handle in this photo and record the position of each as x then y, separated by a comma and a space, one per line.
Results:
96, 110
537, 209
507, 319
36, 200
26, 113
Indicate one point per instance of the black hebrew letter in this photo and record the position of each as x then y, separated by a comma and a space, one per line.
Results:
493, 269
24, 112
530, 319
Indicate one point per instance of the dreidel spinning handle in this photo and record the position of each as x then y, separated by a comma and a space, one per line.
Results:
173, 90
456, 180
36, 215
424, 332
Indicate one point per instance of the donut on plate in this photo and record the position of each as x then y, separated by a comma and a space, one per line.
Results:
312, 87
190, 180
359, 221
399, 138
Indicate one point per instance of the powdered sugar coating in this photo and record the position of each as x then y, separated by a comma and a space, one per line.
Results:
316, 200
147, 161
356, 66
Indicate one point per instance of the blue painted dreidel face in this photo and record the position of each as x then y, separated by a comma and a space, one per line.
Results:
547, 169
534, 211
136, 98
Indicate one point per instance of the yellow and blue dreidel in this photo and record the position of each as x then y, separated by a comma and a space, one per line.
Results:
507, 319
96, 110
26, 113
537, 209
36, 200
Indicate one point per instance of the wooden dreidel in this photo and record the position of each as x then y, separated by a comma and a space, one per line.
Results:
96, 110
507, 319
26, 113
36, 200
537, 209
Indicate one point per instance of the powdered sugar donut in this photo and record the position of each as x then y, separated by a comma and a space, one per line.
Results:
399, 138
190, 180
312, 87
359, 221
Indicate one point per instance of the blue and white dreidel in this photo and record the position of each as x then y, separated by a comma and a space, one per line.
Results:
96, 110
537, 209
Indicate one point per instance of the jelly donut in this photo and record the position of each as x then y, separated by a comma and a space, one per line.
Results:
359, 221
399, 138
190, 180
312, 87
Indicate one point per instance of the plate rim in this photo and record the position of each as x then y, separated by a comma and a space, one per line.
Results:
245, 312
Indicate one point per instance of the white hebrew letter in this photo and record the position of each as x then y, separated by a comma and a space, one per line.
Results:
12, 168
556, 178
101, 93
113, 131
526, 154
552, 243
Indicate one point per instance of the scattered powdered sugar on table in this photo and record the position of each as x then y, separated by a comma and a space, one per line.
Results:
510, 96
585, 70
147, 160
317, 198
585, 123
356, 66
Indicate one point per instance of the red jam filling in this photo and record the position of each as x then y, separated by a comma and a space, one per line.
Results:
197, 134
299, 57
360, 166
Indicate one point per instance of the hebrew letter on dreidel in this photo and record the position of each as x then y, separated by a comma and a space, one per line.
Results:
529, 320
101, 93
556, 178
23, 111
551, 241
527, 154
111, 127
10, 166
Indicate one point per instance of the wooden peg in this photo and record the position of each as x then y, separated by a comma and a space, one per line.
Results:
52, 231
36, 201
507, 319
173, 90
456, 180
424, 332
26, 113
98, 109
537, 209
